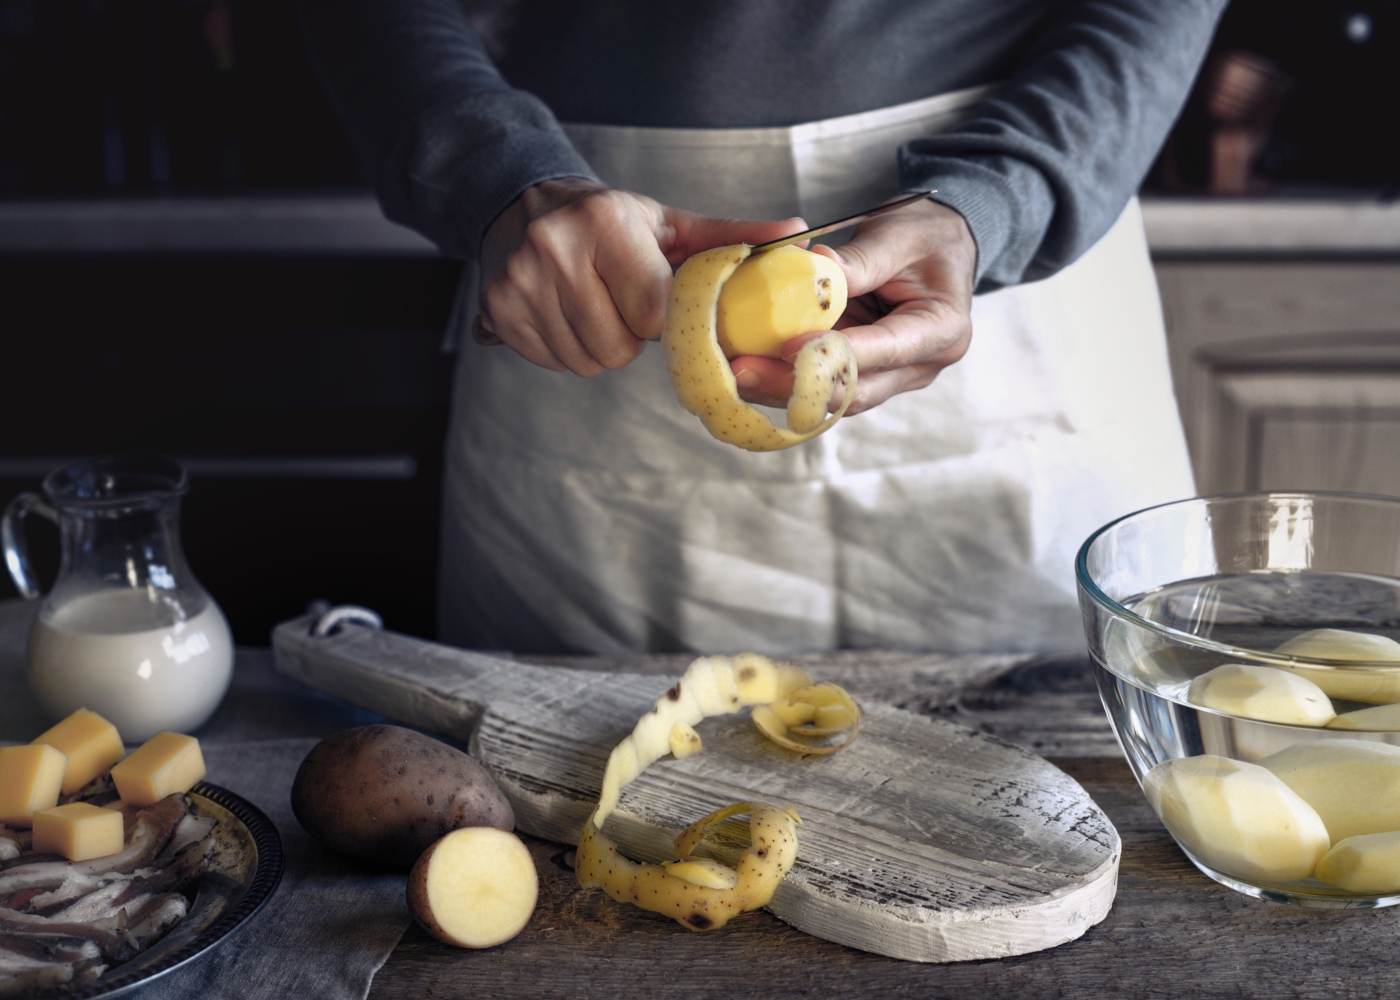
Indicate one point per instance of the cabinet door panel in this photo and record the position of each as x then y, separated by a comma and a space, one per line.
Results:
1287, 372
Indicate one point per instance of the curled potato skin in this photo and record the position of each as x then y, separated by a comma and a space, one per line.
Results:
704, 382
782, 720
697, 907
712, 685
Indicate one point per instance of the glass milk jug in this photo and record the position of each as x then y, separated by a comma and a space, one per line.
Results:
126, 631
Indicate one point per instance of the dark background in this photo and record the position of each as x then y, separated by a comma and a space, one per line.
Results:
287, 363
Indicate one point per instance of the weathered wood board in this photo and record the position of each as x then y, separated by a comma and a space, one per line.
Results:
924, 840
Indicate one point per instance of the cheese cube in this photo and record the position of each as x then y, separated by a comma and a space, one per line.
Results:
165, 764
91, 743
79, 831
30, 778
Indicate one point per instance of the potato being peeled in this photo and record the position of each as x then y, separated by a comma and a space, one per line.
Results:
777, 295
704, 382
384, 794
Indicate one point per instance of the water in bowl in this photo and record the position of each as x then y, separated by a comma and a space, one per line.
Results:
1143, 679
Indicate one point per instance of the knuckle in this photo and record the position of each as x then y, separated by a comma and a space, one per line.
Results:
517, 271
545, 239
922, 376
604, 208
621, 355
494, 300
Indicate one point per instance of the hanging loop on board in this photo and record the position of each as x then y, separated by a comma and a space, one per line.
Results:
331, 620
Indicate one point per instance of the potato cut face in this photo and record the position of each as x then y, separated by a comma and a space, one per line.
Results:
481, 887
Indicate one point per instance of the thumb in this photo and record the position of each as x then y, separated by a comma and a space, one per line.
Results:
867, 260
685, 234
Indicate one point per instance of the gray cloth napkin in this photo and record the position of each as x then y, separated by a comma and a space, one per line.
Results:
330, 925
332, 922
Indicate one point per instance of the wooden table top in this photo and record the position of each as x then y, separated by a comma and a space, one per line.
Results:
1172, 931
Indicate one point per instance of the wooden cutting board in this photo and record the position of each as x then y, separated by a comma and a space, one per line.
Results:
923, 840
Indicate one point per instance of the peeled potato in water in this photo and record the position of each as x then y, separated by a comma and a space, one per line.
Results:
1368, 863
1263, 693
1354, 785
1375, 685
1237, 817
1377, 719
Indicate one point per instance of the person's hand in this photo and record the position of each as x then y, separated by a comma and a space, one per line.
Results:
909, 275
575, 275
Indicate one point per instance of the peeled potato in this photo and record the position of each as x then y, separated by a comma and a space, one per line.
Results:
1378, 685
1381, 719
1237, 817
1354, 785
777, 295
704, 382
474, 888
1262, 693
1369, 863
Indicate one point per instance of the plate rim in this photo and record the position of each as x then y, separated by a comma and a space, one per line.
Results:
259, 889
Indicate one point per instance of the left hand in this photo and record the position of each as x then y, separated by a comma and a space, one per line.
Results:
909, 276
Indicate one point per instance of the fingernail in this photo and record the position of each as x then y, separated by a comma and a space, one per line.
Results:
747, 378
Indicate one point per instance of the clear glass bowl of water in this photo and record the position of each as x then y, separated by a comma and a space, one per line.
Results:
1246, 651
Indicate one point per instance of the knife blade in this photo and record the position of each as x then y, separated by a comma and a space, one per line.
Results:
850, 220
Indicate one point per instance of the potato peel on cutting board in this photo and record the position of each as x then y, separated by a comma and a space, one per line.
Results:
705, 384
698, 892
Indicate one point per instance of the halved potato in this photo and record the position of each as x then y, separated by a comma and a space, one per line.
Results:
474, 888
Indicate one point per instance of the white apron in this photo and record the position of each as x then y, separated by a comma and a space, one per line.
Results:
597, 515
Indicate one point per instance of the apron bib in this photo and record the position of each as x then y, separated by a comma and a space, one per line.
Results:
596, 515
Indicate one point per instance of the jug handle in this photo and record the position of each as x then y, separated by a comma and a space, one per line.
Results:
12, 538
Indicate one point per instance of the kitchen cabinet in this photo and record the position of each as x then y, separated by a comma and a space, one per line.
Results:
1283, 324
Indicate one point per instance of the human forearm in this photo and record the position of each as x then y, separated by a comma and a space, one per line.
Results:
446, 141
1043, 169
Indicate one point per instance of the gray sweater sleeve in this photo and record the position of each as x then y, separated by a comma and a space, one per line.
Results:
1043, 170
1040, 172
446, 141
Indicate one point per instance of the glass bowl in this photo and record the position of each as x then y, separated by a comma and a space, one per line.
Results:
1245, 650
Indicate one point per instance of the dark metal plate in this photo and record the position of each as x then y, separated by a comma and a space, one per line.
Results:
245, 870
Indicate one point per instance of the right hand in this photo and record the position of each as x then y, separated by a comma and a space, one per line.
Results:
575, 276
